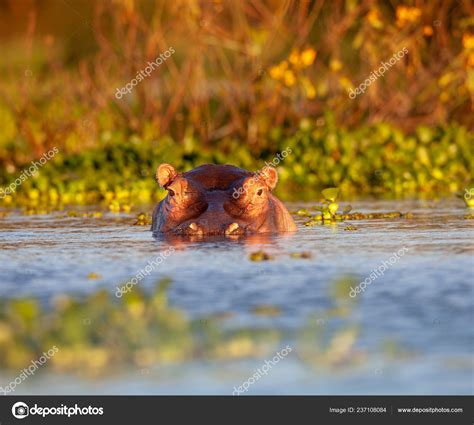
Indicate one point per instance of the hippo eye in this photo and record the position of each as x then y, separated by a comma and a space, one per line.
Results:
171, 192
259, 192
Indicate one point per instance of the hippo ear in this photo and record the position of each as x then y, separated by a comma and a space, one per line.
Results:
270, 176
165, 174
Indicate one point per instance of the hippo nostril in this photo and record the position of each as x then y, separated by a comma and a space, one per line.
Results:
231, 228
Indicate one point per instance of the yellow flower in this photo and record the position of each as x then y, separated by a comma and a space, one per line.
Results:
294, 57
374, 18
445, 79
310, 91
468, 41
308, 56
275, 72
335, 65
428, 30
407, 14
346, 83
470, 60
289, 77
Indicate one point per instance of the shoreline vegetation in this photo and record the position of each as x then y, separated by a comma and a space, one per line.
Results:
377, 161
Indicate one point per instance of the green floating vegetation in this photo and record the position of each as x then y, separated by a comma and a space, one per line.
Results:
329, 212
358, 216
377, 216
303, 254
260, 256
303, 213
94, 214
467, 196
143, 219
377, 159
100, 333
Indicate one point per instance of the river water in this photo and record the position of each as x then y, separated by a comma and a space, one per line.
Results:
409, 332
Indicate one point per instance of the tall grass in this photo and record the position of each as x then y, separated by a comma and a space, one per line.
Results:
243, 70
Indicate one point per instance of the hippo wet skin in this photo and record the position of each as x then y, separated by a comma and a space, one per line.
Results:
219, 200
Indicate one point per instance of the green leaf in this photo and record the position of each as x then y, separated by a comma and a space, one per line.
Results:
303, 212
330, 193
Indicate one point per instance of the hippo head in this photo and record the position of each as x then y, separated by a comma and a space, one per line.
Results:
219, 200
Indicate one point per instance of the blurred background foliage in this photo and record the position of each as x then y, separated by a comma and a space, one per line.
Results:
248, 79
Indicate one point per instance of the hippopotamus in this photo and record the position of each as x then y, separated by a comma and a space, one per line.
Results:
219, 200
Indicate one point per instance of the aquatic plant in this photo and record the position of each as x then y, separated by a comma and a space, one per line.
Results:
329, 212
467, 196
260, 256
101, 333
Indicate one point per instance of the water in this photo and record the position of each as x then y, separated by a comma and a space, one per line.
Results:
422, 305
